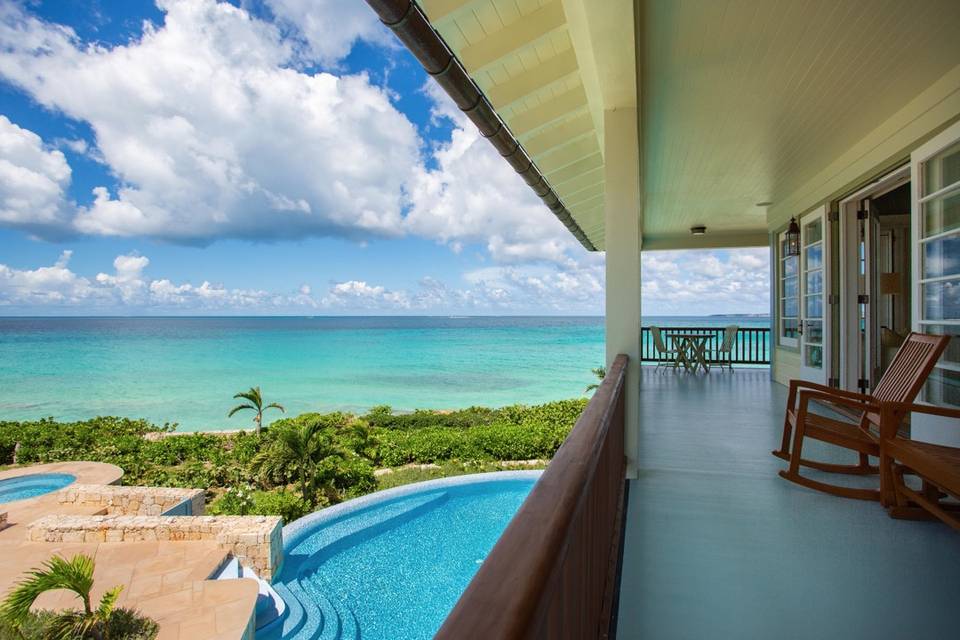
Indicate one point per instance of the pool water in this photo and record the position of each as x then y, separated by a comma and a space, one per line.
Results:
33, 485
393, 567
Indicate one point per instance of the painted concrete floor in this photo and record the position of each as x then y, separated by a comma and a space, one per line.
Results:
718, 546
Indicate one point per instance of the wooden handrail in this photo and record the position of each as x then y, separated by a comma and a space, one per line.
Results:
550, 573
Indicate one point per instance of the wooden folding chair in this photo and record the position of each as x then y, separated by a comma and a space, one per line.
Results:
901, 383
937, 466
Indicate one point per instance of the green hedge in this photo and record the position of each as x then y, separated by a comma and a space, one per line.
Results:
359, 445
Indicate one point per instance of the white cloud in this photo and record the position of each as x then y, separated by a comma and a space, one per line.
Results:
128, 277
33, 179
473, 195
328, 28
211, 134
45, 286
705, 282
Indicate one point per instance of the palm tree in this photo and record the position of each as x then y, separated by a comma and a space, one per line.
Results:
601, 373
254, 403
74, 575
297, 450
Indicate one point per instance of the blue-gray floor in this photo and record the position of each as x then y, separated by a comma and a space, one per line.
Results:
718, 546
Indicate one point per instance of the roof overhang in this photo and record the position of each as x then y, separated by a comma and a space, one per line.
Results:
532, 80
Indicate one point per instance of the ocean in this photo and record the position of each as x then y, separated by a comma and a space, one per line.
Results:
186, 370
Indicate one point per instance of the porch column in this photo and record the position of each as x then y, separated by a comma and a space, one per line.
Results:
621, 159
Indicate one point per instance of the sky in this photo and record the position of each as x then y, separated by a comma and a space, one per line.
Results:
280, 157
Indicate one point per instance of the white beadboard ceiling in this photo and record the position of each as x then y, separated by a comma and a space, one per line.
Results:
742, 101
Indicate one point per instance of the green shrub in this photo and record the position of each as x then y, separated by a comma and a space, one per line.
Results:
246, 502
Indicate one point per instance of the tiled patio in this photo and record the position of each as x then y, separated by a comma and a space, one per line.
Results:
165, 580
718, 546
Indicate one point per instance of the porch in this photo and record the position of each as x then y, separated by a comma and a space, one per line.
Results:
718, 546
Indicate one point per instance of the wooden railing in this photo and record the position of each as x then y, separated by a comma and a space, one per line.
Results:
752, 345
553, 572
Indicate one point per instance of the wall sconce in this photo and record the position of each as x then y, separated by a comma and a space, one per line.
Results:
698, 230
793, 238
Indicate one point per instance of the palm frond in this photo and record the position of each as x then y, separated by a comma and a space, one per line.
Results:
253, 395
70, 625
74, 575
274, 405
240, 407
108, 603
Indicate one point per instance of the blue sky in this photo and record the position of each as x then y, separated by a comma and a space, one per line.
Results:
275, 156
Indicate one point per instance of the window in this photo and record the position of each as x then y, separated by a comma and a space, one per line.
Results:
938, 304
788, 290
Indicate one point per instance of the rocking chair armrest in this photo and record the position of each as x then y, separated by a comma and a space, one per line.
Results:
834, 394
858, 402
929, 409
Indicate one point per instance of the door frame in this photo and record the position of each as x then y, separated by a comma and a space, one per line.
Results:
850, 365
819, 374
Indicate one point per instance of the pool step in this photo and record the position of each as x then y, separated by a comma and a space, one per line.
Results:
310, 613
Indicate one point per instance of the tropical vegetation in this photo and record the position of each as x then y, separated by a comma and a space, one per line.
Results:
298, 464
254, 402
104, 622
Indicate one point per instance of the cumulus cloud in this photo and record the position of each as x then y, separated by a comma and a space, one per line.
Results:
474, 196
210, 131
33, 180
705, 282
327, 29
213, 131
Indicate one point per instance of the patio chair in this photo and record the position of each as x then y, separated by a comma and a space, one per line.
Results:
664, 355
724, 356
937, 466
901, 383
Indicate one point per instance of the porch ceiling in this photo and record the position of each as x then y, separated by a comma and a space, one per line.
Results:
746, 101
522, 55
742, 101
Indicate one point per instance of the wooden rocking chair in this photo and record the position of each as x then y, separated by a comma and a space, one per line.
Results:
938, 466
901, 383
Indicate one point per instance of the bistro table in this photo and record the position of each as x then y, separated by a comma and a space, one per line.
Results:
692, 350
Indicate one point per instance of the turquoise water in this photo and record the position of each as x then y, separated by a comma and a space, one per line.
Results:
33, 485
186, 370
395, 568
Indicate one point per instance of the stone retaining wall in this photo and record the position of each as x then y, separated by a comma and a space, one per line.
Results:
136, 501
254, 540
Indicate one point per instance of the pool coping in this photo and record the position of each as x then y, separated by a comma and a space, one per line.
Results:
293, 531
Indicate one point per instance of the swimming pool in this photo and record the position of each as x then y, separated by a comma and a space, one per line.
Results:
391, 565
33, 485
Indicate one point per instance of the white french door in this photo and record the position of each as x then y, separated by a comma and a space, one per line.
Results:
814, 287
935, 172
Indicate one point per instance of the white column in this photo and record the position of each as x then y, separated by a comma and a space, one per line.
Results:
622, 235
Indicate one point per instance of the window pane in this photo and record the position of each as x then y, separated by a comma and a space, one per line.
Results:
814, 331
941, 257
814, 281
790, 287
941, 300
814, 307
813, 357
952, 354
789, 308
812, 232
942, 169
790, 266
814, 256
941, 214
790, 329
943, 388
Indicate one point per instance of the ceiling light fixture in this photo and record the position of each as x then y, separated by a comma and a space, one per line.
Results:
698, 230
